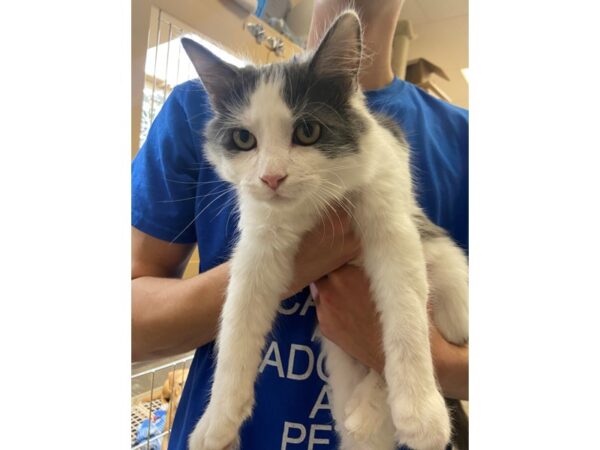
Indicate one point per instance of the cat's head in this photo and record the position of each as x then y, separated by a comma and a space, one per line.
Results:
288, 132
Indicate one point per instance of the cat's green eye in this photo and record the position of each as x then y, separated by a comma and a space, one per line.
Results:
307, 133
243, 139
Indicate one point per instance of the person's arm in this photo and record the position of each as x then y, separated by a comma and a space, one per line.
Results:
348, 317
171, 316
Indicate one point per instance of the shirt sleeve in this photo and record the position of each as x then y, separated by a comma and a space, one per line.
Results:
165, 170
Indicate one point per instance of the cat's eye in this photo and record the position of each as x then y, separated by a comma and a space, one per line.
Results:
243, 139
307, 133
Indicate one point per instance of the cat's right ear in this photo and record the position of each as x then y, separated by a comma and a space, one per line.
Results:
212, 70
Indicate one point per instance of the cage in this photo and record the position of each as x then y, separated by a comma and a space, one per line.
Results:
155, 393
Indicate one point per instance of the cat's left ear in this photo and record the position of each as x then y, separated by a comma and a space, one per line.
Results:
214, 73
340, 51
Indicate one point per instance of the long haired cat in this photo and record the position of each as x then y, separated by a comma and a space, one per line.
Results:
293, 137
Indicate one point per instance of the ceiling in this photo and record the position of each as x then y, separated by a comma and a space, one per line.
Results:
427, 11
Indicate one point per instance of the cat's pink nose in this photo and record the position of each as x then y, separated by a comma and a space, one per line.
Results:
273, 181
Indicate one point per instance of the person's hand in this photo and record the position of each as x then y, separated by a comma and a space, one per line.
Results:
329, 245
348, 317
451, 362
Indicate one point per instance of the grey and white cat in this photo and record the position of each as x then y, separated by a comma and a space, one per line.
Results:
294, 137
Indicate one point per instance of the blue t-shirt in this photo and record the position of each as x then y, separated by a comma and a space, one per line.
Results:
176, 196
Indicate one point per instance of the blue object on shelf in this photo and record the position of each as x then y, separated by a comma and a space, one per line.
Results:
260, 9
148, 431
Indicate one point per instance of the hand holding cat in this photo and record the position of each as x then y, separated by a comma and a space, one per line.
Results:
348, 317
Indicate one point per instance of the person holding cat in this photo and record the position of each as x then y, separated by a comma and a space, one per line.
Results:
170, 315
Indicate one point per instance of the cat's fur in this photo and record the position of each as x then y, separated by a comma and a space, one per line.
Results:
360, 159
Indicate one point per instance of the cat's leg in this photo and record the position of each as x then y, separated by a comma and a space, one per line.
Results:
448, 276
395, 264
368, 417
260, 273
345, 373
370, 428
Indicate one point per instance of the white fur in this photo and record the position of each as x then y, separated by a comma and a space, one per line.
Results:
378, 180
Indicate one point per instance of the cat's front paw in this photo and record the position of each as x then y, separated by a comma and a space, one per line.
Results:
214, 432
422, 423
367, 408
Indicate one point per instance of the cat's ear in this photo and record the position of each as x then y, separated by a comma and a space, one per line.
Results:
214, 73
340, 51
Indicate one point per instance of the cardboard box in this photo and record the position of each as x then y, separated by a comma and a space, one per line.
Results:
420, 71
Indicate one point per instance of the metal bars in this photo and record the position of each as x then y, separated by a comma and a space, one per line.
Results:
146, 388
165, 67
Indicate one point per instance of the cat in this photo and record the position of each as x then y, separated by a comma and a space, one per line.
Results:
293, 137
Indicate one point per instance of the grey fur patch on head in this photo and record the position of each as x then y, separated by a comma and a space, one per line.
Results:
229, 105
325, 100
320, 88
237, 91
309, 97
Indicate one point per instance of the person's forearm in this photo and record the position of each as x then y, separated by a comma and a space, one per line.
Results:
172, 316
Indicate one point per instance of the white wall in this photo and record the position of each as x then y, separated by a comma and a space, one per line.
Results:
446, 44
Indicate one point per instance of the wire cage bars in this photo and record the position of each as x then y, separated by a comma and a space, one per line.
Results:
166, 64
154, 398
